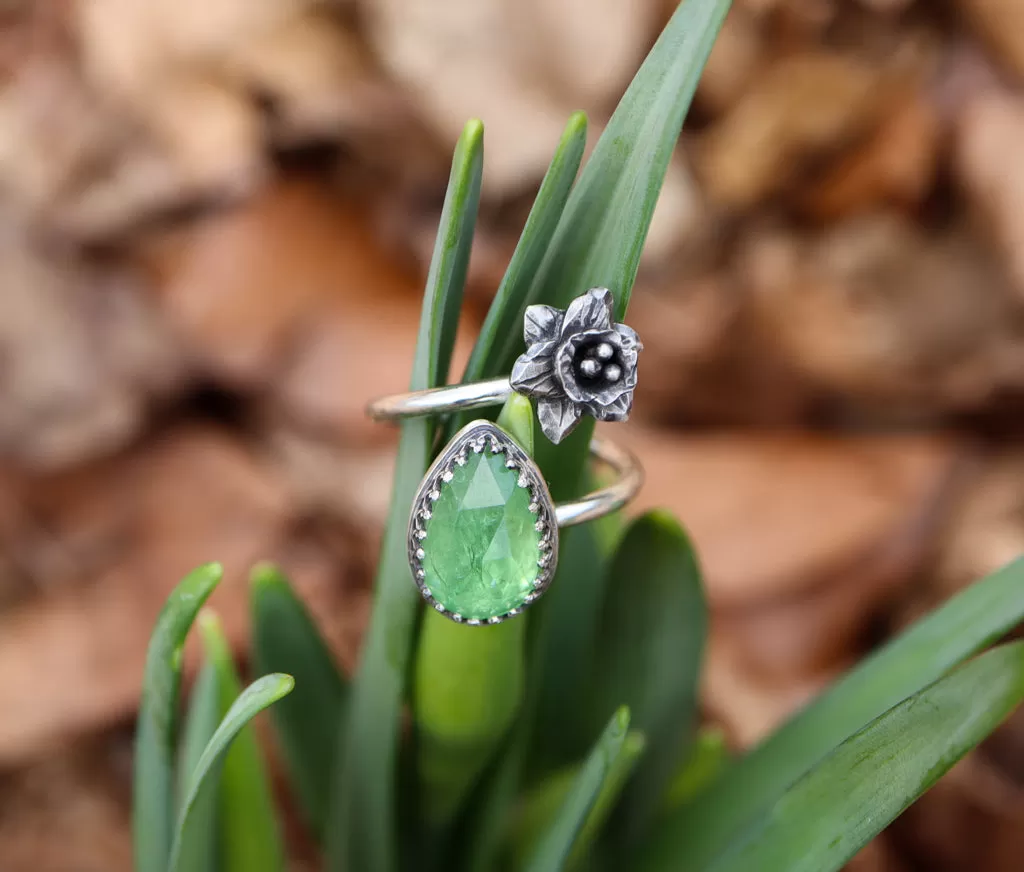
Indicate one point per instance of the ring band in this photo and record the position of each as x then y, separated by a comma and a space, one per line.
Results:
483, 529
603, 501
438, 401
461, 398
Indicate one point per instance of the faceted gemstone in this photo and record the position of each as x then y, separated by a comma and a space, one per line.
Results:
481, 549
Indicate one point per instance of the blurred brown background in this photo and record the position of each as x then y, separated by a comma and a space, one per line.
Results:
215, 217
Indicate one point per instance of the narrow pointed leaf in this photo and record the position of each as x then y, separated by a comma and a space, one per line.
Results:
544, 802
557, 844
199, 852
501, 336
562, 670
286, 639
604, 225
489, 812
363, 829
965, 625
605, 222
446, 278
653, 629
820, 822
156, 733
258, 696
250, 839
707, 757
598, 243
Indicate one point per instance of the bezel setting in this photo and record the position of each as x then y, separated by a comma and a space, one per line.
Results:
475, 437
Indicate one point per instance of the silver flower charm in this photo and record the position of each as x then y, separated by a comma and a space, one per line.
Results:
577, 361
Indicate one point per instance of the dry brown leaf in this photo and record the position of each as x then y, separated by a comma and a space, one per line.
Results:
84, 355
989, 144
746, 704
1000, 23
878, 855
883, 315
523, 67
737, 55
799, 107
129, 529
985, 532
245, 285
896, 165
973, 818
69, 811
290, 292
776, 515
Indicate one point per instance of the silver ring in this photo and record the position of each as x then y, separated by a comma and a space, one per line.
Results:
483, 529
576, 362
438, 401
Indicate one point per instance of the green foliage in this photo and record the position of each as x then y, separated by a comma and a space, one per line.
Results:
933, 646
200, 852
823, 819
250, 840
362, 824
260, 694
596, 779
501, 333
285, 639
652, 632
508, 760
156, 733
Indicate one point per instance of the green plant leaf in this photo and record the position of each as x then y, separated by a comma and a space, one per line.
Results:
446, 278
491, 805
820, 822
260, 694
250, 840
557, 844
516, 419
200, 851
545, 800
695, 834
561, 670
468, 684
464, 707
707, 757
598, 242
156, 733
363, 830
653, 629
605, 222
286, 639
501, 336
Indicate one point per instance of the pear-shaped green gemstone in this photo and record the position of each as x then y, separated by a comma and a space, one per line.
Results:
481, 548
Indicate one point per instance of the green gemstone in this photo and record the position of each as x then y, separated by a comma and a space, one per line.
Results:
481, 549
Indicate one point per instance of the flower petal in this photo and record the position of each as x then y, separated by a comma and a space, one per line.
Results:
629, 338
565, 357
533, 373
558, 418
630, 347
542, 323
591, 311
617, 410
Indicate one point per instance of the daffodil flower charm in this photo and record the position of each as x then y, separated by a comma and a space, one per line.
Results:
577, 361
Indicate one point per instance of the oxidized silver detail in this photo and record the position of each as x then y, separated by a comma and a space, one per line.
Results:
577, 361
473, 434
